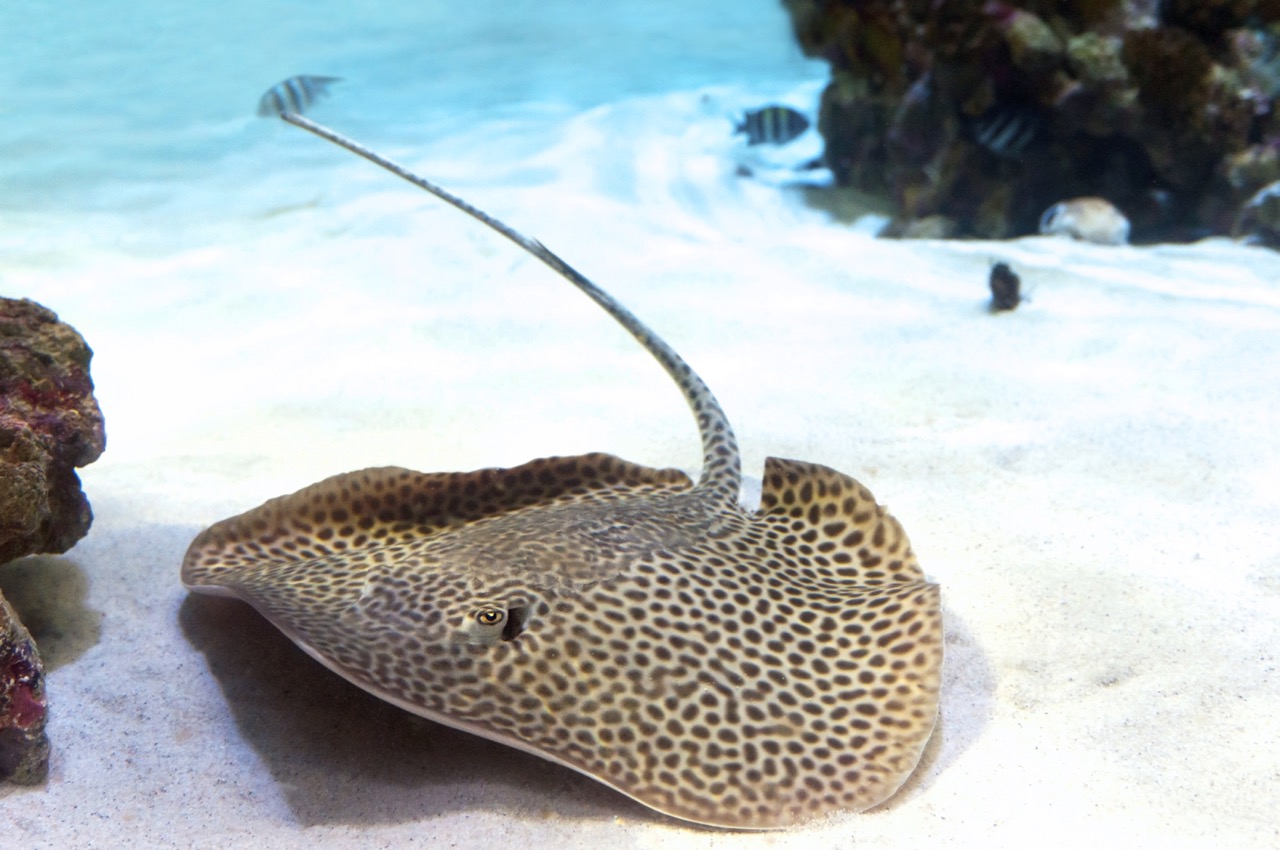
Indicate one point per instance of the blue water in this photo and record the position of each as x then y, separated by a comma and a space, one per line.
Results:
110, 105
144, 201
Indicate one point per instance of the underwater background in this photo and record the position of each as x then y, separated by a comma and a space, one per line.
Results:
137, 178
1090, 478
149, 107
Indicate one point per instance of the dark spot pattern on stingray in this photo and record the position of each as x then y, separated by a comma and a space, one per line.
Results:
734, 668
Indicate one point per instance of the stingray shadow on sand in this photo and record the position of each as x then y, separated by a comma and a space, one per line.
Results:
340, 755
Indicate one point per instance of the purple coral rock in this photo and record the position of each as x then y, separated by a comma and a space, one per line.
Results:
24, 748
49, 425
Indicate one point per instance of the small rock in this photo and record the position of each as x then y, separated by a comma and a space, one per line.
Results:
1033, 45
1087, 219
1095, 59
1259, 219
1256, 165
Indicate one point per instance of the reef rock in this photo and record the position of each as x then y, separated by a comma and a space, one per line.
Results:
24, 747
1260, 219
986, 112
49, 425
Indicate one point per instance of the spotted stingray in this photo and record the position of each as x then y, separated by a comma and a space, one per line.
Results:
734, 668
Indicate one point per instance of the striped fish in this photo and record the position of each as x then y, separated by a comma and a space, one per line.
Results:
772, 125
1008, 129
294, 95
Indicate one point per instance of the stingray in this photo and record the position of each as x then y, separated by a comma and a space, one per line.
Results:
735, 668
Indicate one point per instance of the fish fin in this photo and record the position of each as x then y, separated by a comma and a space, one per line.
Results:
853, 539
386, 505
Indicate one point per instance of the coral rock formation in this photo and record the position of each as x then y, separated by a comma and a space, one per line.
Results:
24, 747
49, 425
986, 112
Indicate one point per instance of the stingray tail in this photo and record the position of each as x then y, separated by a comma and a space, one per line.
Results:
721, 462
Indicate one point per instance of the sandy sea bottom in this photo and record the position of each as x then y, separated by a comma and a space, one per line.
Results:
1089, 478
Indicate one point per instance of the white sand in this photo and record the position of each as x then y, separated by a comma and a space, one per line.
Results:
1092, 479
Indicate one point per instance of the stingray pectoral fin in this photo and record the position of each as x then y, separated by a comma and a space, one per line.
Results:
840, 544
837, 519
384, 506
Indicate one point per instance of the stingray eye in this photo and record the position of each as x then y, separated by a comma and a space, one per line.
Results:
489, 626
490, 616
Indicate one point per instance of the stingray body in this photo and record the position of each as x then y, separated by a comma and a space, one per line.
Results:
734, 668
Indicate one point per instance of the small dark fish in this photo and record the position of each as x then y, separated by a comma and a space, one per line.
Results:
294, 95
1005, 286
772, 125
1008, 129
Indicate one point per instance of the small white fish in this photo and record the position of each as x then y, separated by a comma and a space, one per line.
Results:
1089, 219
294, 95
